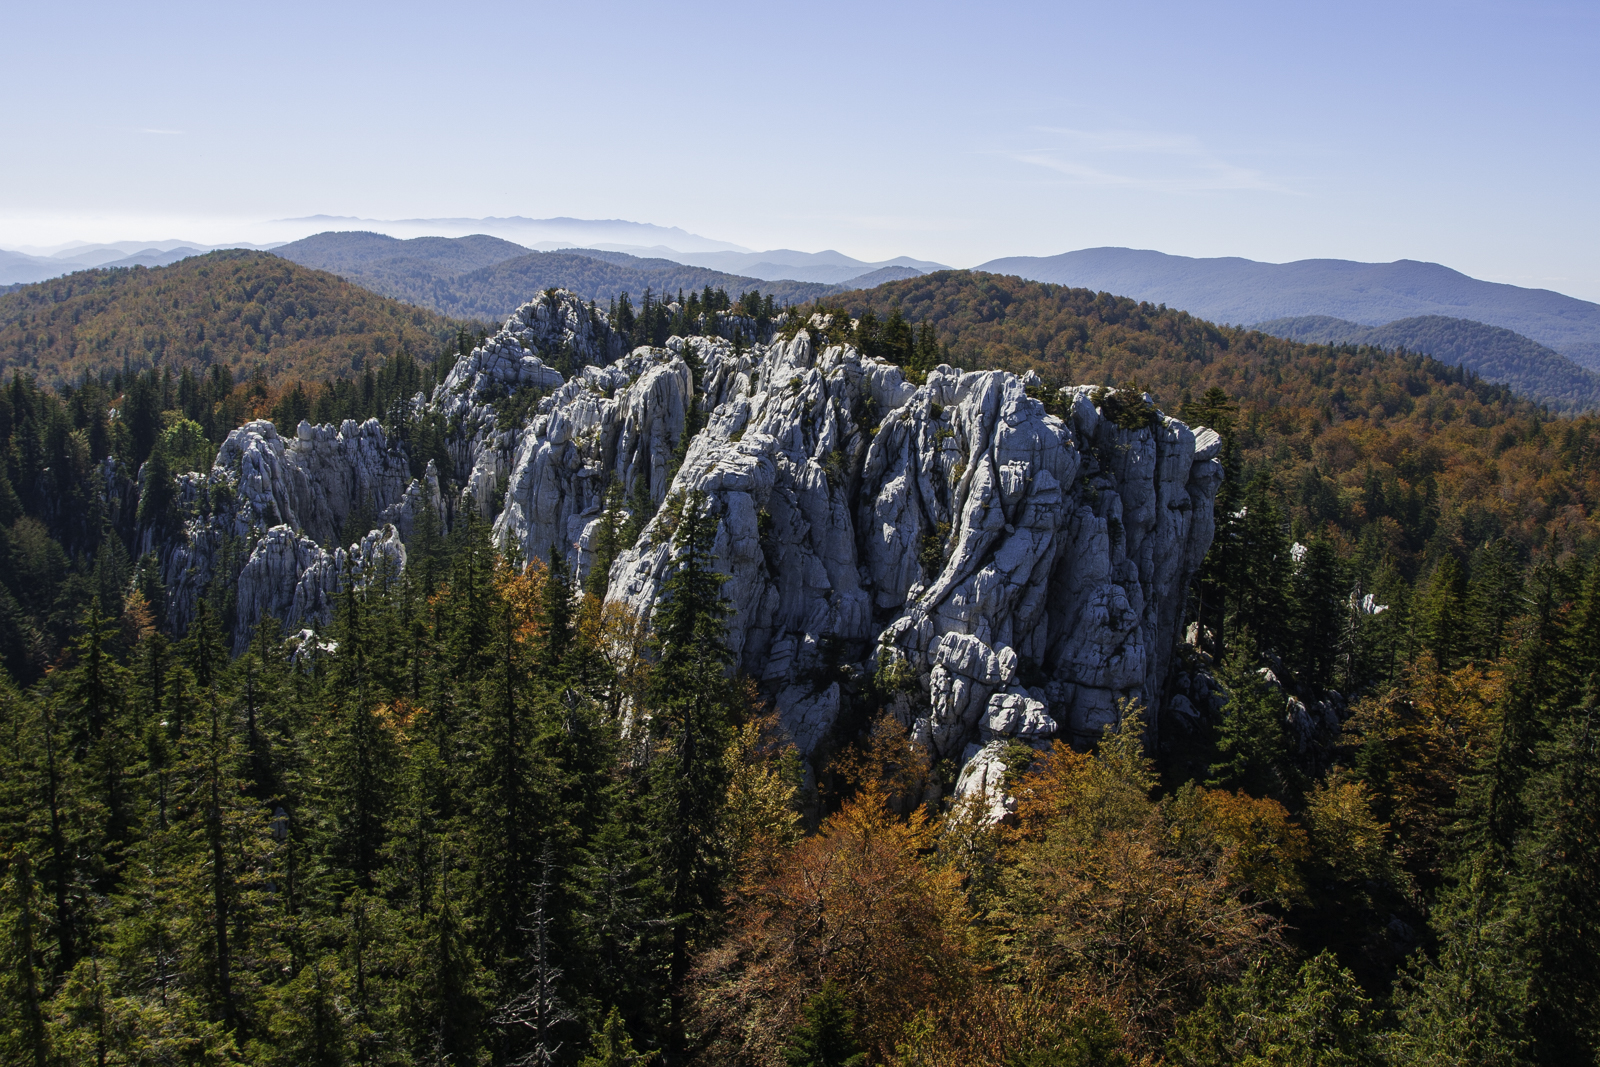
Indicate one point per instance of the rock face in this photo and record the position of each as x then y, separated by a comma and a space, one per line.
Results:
269, 504
1003, 574
1011, 573
616, 424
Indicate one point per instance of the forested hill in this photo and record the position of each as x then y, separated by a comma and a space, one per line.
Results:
1497, 354
483, 277
1231, 289
1416, 457
236, 309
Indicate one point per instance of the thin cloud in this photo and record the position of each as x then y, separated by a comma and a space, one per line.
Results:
165, 133
1132, 159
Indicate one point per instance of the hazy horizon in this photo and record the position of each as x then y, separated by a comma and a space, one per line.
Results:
1457, 134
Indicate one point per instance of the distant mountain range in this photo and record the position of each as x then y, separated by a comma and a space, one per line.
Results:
1370, 294
20, 268
540, 234
485, 277
639, 239
1496, 354
829, 266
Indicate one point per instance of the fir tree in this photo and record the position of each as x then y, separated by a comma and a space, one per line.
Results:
1441, 614
1317, 609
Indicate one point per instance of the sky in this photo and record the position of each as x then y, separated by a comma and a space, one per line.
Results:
1461, 133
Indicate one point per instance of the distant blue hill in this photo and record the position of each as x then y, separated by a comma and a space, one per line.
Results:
484, 277
1247, 292
1493, 353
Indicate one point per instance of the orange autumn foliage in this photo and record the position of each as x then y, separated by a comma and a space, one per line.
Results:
858, 903
1104, 898
1420, 739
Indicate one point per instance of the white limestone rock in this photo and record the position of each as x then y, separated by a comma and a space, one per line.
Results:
969, 535
607, 425
983, 774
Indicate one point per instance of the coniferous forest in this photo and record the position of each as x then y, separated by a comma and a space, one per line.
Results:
488, 817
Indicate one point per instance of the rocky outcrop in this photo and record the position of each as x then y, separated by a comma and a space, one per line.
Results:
292, 579
258, 517
1017, 572
999, 571
607, 425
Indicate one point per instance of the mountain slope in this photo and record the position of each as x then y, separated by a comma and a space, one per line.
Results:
1245, 291
1494, 353
239, 309
343, 252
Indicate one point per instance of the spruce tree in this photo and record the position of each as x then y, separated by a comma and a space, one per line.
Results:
610, 1046
1317, 611
361, 750
1441, 616
1494, 599
607, 543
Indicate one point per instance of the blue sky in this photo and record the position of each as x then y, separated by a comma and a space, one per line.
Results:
1463, 133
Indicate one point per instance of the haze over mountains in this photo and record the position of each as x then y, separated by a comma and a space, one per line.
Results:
1544, 343
640, 239
485, 277
1247, 292
20, 267
539, 234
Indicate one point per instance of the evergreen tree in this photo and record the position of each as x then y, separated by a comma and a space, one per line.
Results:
1317, 598
610, 1046
1252, 745
607, 543
1557, 898
1441, 614
1494, 598
361, 749
690, 705
826, 1034
22, 1029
